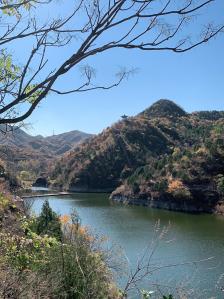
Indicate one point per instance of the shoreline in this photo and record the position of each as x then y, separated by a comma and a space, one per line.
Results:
44, 195
163, 203
160, 201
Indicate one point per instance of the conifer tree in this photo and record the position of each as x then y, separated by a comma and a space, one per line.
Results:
48, 222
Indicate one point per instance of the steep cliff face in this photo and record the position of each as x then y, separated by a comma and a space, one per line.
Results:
162, 157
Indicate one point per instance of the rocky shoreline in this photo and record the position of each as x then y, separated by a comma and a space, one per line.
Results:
167, 202
201, 201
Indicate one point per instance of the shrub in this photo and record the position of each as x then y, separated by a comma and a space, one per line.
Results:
25, 252
79, 271
178, 189
174, 185
5, 197
39, 266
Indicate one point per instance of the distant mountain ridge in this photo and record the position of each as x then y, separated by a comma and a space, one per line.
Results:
35, 154
53, 144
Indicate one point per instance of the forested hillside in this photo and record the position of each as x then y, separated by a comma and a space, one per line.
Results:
162, 151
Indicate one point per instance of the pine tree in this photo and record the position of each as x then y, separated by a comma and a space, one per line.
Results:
48, 222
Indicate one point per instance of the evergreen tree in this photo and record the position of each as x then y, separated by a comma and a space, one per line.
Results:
48, 222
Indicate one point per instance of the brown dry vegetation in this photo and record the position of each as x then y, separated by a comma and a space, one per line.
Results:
145, 152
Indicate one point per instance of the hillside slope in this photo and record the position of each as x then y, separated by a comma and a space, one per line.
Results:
34, 154
162, 154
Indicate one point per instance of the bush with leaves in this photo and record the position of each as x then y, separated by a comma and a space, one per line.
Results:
178, 189
52, 264
25, 252
6, 198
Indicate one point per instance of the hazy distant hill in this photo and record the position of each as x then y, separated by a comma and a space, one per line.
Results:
57, 144
34, 154
162, 151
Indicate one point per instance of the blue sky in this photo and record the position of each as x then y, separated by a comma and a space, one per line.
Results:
194, 80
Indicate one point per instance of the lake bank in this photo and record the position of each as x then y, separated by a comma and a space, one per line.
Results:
200, 201
47, 194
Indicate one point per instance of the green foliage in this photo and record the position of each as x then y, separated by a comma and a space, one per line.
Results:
48, 223
4, 201
33, 94
160, 186
210, 115
9, 71
72, 268
12, 7
26, 252
80, 272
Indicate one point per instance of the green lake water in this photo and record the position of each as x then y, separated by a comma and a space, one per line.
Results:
191, 238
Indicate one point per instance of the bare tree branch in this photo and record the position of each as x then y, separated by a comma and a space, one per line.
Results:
147, 25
